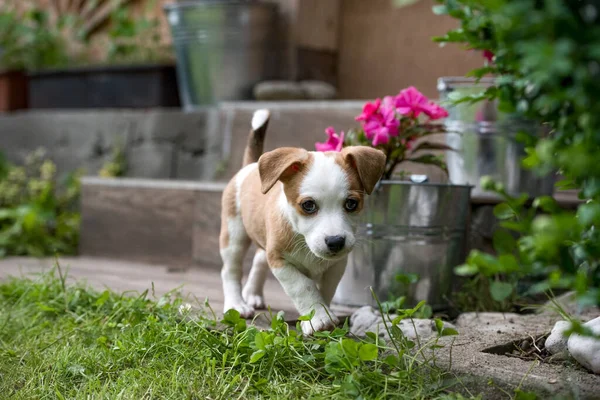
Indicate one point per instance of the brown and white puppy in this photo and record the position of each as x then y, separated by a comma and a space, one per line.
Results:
300, 208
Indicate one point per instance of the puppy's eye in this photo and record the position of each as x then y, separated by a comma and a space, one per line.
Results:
351, 205
309, 206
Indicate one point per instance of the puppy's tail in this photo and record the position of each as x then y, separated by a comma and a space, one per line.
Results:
256, 138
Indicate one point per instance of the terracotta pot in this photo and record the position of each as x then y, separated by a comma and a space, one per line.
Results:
13, 90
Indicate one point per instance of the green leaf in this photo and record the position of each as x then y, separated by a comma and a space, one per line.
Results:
308, 316
589, 214
371, 336
504, 242
509, 263
500, 290
391, 360
259, 341
397, 333
46, 308
257, 355
466, 270
278, 321
566, 184
350, 348
407, 278
439, 325
503, 211
514, 226
520, 395
103, 298
399, 318
412, 311
368, 352
449, 332
426, 312
232, 318
547, 204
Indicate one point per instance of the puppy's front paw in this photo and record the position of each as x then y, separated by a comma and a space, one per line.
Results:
255, 300
321, 321
244, 309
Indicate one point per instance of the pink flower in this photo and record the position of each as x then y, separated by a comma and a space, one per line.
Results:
334, 142
411, 102
382, 124
381, 137
389, 120
368, 110
389, 102
434, 111
488, 55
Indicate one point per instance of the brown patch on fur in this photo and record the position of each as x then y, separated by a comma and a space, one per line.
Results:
367, 163
228, 210
283, 164
262, 218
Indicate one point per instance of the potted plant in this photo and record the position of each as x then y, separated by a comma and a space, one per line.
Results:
13, 80
76, 63
409, 227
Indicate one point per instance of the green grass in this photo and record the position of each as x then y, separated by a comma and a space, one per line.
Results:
70, 342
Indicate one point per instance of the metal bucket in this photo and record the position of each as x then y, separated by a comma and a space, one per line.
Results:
407, 228
223, 49
485, 142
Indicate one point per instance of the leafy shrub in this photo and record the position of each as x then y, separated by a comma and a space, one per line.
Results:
35, 37
37, 217
546, 59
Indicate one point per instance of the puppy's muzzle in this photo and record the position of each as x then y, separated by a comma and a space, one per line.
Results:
335, 243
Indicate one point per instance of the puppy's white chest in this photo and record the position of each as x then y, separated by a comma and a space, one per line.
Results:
306, 262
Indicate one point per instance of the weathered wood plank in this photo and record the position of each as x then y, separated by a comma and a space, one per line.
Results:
151, 223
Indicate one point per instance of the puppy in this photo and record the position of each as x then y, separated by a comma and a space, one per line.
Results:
301, 210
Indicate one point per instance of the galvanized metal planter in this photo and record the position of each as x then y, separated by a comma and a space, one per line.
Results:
485, 143
223, 48
408, 228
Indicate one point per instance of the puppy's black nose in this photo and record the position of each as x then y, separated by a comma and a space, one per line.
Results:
335, 243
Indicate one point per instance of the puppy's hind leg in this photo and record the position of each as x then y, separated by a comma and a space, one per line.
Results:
234, 243
253, 290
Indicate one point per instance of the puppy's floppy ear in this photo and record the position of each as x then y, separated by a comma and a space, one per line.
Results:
280, 164
368, 162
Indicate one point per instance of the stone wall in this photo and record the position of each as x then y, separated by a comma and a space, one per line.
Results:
171, 144
157, 144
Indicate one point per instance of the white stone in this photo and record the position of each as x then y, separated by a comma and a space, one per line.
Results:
586, 350
318, 90
278, 90
557, 342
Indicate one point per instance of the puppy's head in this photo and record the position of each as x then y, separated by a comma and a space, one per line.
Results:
324, 192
